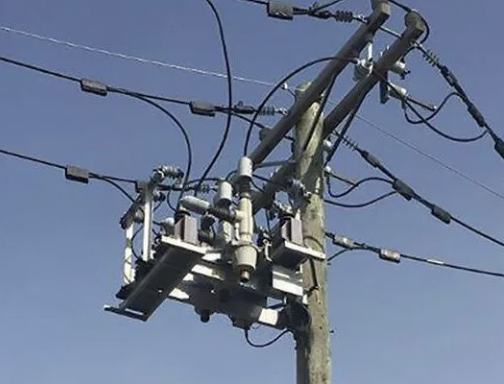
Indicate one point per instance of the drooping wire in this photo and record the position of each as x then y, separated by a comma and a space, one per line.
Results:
117, 186
177, 123
278, 86
230, 96
361, 205
353, 187
437, 111
265, 345
407, 104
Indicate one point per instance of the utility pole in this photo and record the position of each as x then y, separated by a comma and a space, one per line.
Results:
313, 349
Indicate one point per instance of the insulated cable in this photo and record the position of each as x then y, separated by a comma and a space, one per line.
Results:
230, 96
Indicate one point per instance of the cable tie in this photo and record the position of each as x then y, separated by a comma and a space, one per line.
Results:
93, 86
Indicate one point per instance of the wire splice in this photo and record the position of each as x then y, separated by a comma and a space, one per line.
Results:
441, 214
280, 10
77, 174
202, 108
94, 86
389, 255
403, 189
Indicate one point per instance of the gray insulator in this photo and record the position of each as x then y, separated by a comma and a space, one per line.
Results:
245, 168
195, 205
224, 195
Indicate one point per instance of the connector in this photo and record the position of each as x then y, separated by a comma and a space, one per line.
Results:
389, 255
77, 174
279, 10
403, 189
343, 241
202, 108
440, 214
93, 86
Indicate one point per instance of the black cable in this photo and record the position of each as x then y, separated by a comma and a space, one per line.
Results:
278, 86
354, 187
341, 252
230, 96
437, 111
269, 343
409, 194
149, 96
116, 186
261, 2
361, 205
39, 69
177, 123
324, 6
318, 115
112, 180
452, 266
477, 231
396, 257
408, 104
32, 159
342, 134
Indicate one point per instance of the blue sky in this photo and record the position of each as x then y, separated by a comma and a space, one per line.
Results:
62, 245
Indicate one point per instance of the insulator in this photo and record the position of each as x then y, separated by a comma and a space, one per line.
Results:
344, 16
267, 110
349, 142
430, 57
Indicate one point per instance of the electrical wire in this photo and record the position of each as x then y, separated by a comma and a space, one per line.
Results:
203, 72
437, 111
178, 124
111, 180
117, 186
44, 71
261, 2
432, 158
339, 253
325, 6
318, 115
422, 120
409, 194
241, 79
408, 104
230, 97
353, 187
278, 86
342, 134
361, 205
396, 257
265, 345
137, 59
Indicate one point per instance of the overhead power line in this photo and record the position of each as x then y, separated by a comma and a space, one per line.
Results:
124, 56
396, 257
142, 60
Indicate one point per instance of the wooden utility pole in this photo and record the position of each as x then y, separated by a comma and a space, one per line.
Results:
313, 349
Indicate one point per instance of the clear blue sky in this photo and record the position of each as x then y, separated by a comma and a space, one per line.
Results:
62, 245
